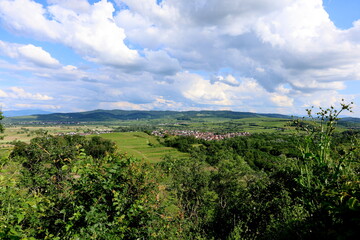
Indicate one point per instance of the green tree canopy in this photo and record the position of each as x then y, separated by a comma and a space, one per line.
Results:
1, 126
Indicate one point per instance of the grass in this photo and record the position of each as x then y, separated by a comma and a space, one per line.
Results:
25, 134
4, 152
141, 145
252, 125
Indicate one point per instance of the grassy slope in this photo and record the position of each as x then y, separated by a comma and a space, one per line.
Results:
137, 145
133, 143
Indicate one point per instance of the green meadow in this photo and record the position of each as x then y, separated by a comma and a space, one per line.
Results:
141, 145
27, 132
252, 125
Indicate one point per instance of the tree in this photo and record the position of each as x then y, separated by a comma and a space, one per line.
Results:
1, 126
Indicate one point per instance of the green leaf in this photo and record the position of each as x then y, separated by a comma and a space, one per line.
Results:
353, 203
65, 167
20, 217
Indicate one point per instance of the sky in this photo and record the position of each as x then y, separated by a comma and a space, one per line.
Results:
266, 56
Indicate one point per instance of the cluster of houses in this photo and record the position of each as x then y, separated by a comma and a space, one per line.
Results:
200, 135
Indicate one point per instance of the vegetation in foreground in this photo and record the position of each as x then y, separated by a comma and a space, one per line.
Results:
265, 186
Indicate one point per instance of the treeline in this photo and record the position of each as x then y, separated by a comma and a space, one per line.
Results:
263, 186
260, 151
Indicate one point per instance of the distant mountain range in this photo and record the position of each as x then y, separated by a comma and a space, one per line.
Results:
113, 115
18, 113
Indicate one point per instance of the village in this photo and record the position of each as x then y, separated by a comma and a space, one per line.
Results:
208, 136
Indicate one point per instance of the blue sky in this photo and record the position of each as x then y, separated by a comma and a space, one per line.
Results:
343, 12
274, 56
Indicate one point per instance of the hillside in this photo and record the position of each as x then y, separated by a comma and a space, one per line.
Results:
113, 115
149, 117
18, 113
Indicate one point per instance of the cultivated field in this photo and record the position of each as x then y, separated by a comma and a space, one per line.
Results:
142, 146
26, 133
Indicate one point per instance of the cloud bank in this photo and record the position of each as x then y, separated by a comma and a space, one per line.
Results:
245, 55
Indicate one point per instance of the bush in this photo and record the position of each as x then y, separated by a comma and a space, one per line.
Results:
60, 192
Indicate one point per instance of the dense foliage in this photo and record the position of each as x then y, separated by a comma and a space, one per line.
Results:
263, 186
272, 186
77, 188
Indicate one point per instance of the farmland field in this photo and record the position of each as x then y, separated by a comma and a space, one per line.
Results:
142, 146
26, 133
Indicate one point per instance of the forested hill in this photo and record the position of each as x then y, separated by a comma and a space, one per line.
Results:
111, 115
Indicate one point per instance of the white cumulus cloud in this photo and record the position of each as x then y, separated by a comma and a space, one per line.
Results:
30, 53
92, 32
20, 93
240, 54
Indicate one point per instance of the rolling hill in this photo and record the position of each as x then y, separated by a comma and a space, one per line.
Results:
113, 115
101, 116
